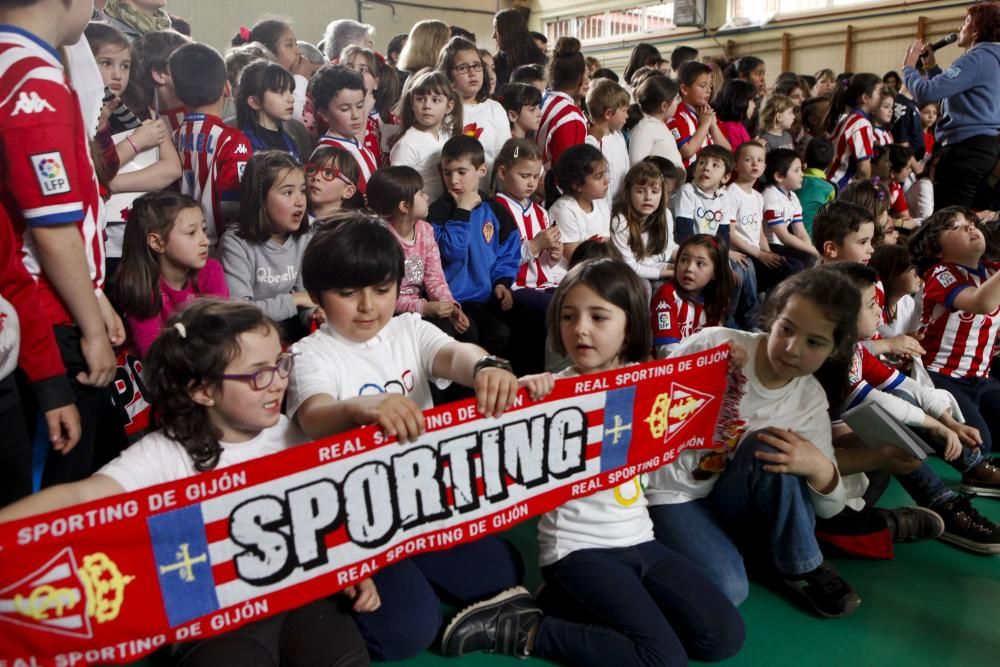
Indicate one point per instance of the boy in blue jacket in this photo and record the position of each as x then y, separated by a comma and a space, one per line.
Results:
479, 242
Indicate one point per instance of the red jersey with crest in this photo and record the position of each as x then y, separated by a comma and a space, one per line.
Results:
531, 220
373, 136
957, 343
867, 373
673, 317
683, 126
563, 125
854, 141
213, 158
367, 162
47, 174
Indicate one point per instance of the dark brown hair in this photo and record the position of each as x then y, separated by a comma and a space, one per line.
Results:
262, 172
178, 363
839, 300
716, 294
616, 283
137, 282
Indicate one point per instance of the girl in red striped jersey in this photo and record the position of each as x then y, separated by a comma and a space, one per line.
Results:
959, 326
697, 296
563, 123
849, 123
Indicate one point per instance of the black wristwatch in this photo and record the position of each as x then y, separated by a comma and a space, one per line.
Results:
490, 361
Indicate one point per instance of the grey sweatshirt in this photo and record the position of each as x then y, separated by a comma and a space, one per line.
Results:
265, 273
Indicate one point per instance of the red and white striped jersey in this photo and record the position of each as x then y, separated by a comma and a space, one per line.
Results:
882, 137
563, 125
213, 158
47, 174
367, 163
673, 317
780, 208
373, 136
867, 373
174, 118
534, 272
683, 126
854, 141
957, 343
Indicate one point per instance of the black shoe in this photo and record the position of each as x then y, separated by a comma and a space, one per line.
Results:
912, 524
983, 480
501, 624
967, 528
825, 591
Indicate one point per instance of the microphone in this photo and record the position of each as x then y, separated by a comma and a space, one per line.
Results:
944, 41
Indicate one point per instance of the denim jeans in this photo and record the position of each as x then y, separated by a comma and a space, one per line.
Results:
640, 605
409, 619
694, 530
979, 399
743, 302
754, 507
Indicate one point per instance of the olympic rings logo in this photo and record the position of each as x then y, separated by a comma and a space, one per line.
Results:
403, 386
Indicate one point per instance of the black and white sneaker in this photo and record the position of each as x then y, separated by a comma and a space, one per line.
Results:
912, 524
967, 528
501, 624
825, 591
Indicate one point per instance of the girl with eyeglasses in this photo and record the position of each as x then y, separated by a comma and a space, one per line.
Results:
331, 183
217, 376
484, 119
262, 254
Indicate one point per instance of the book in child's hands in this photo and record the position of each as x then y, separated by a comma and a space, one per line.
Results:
876, 428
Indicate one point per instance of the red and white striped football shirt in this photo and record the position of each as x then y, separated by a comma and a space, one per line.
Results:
47, 174
854, 141
531, 220
957, 343
882, 137
367, 163
563, 125
683, 126
673, 317
213, 158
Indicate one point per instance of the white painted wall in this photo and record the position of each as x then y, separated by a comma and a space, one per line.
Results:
216, 21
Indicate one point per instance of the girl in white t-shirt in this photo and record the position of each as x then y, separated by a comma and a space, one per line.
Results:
582, 211
216, 376
484, 119
642, 226
365, 366
598, 555
431, 114
777, 471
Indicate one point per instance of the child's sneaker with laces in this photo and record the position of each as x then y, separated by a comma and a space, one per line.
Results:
983, 480
967, 528
825, 591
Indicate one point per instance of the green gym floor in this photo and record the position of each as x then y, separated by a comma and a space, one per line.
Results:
932, 605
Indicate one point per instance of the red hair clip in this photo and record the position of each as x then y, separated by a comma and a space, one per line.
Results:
245, 33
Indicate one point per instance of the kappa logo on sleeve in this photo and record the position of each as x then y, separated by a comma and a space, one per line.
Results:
31, 103
51, 173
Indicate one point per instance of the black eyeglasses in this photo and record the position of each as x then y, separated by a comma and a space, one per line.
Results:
465, 68
263, 377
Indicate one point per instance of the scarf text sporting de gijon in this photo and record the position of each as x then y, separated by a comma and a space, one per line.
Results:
113, 580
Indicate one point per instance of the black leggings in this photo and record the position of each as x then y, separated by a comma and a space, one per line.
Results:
319, 634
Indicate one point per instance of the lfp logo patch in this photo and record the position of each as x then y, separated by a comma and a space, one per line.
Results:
51, 173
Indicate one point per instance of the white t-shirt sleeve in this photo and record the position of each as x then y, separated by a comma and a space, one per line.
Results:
568, 216
686, 204
153, 460
430, 340
403, 153
315, 372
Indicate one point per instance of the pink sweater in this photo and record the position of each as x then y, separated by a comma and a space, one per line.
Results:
423, 277
211, 282
736, 133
